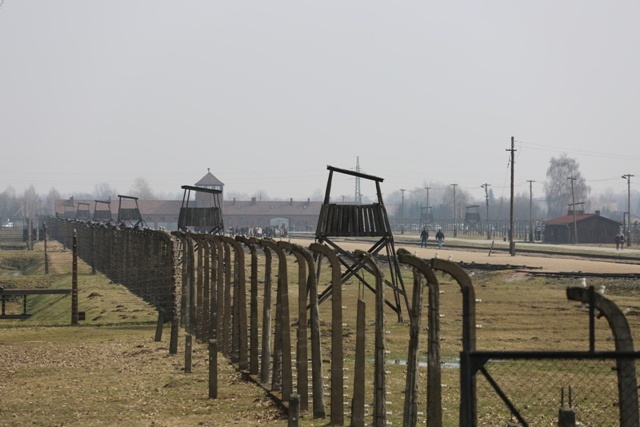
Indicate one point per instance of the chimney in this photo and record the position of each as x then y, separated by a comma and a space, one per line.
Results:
291, 201
598, 213
253, 201
234, 201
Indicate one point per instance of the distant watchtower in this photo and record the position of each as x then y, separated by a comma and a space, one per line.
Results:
206, 215
426, 216
83, 211
129, 211
472, 218
208, 182
358, 220
102, 210
69, 208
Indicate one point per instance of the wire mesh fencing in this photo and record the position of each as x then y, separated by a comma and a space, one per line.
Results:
541, 390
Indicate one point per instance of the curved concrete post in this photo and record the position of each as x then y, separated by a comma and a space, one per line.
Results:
218, 278
254, 349
199, 285
226, 327
283, 330
199, 273
265, 351
211, 281
337, 353
379, 377
187, 307
239, 305
319, 410
468, 404
626, 367
434, 381
302, 359
170, 303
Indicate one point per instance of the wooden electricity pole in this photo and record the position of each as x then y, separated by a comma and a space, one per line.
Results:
486, 197
573, 205
455, 229
512, 243
530, 210
627, 228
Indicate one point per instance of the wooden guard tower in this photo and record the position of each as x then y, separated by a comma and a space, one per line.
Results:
69, 208
202, 218
129, 211
83, 211
358, 220
101, 212
426, 216
472, 218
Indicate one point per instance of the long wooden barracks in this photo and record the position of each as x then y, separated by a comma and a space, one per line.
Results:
163, 214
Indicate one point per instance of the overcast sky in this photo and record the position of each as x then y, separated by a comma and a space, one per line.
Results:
267, 93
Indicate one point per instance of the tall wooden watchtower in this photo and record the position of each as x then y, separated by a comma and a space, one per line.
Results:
83, 211
203, 215
472, 218
102, 210
129, 211
361, 220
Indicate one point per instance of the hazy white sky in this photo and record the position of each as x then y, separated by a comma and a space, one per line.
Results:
268, 93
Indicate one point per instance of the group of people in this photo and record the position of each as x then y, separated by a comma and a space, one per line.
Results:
260, 232
424, 236
619, 241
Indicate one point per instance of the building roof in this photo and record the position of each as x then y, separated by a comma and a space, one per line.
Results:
230, 207
209, 181
568, 219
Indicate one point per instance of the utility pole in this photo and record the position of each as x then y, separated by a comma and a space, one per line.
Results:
486, 197
427, 188
627, 233
455, 229
426, 220
530, 210
512, 243
358, 193
573, 205
402, 212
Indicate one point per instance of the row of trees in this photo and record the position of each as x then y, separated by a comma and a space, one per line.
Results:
564, 184
30, 205
563, 187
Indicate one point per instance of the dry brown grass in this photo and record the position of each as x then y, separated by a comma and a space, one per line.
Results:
110, 372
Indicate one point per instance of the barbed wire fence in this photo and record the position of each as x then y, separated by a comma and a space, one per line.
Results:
279, 336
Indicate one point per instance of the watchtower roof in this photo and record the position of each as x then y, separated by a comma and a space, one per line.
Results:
209, 181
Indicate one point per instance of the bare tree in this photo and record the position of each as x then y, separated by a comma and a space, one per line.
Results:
141, 189
49, 207
561, 173
104, 191
9, 204
32, 203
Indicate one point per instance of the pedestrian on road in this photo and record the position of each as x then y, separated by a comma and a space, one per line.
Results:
423, 238
440, 237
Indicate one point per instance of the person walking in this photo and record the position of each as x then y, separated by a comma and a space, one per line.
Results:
440, 237
423, 238
617, 240
621, 241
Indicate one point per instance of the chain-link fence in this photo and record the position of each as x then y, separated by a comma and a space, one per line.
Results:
539, 390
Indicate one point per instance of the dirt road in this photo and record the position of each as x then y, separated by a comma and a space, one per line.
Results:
554, 263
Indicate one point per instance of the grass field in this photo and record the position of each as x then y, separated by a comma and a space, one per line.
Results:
110, 372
